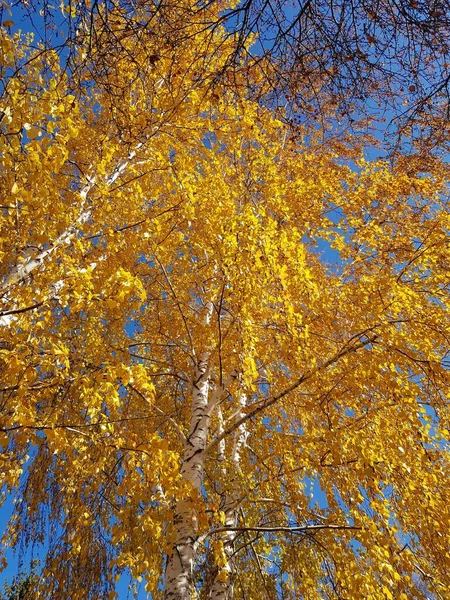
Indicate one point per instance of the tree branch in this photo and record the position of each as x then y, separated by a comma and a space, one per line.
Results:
267, 402
17, 311
281, 529
162, 413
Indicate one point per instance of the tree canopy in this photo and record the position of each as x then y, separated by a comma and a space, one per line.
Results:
224, 341
381, 66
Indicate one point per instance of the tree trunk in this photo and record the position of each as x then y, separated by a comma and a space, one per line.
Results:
223, 584
222, 587
179, 583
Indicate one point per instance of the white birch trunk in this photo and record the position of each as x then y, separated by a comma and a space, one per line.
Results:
22, 271
223, 585
179, 583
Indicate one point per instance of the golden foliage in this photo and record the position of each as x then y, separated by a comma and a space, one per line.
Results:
125, 219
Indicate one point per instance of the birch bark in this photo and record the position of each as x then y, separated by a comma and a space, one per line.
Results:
21, 272
179, 583
222, 587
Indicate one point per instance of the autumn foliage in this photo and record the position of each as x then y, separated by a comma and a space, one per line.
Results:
224, 344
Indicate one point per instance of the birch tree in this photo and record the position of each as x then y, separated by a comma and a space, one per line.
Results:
224, 344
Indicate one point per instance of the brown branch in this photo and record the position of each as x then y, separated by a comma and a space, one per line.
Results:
17, 311
162, 413
72, 426
177, 302
281, 529
261, 406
